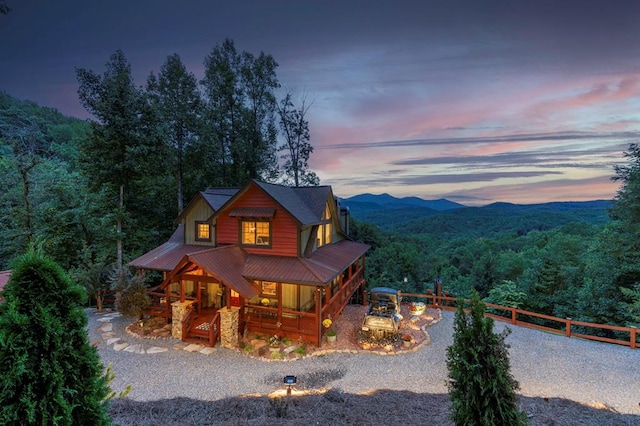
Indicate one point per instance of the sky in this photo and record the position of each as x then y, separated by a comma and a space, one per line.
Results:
476, 101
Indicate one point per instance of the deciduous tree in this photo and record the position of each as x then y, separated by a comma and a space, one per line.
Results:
296, 146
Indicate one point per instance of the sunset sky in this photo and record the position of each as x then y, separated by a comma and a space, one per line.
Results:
474, 101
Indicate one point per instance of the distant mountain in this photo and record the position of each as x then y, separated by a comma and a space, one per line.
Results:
414, 215
387, 201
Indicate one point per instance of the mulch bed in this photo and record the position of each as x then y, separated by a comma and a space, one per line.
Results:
347, 326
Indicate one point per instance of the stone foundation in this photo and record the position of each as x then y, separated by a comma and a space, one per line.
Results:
229, 320
178, 312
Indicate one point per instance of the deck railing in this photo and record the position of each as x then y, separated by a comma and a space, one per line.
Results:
515, 316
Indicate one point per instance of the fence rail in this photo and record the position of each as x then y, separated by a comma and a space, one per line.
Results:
515, 316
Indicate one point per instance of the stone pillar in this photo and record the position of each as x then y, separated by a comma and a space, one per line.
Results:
229, 318
178, 312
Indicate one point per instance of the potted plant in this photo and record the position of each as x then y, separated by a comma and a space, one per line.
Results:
331, 332
274, 343
406, 340
417, 308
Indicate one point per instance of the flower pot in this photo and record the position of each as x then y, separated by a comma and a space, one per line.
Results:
332, 339
406, 343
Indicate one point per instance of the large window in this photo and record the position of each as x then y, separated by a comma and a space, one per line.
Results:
256, 233
325, 230
203, 231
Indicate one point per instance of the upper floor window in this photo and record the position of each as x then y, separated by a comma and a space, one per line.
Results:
256, 233
325, 230
203, 231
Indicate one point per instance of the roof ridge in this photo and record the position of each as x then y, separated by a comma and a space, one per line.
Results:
304, 262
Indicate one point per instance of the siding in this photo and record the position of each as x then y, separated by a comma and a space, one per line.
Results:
199, 212
284, 228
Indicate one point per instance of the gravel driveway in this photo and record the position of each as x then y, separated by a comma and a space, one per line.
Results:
546, 365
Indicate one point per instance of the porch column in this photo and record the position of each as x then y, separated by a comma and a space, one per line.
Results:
178, 312
229, 318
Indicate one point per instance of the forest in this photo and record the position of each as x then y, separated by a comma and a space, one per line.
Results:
96, 193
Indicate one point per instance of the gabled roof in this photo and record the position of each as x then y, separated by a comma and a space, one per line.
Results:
225, 264
319, 269
166, 256
214, 197
305, 204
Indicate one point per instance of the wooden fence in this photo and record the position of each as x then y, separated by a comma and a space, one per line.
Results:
566, 326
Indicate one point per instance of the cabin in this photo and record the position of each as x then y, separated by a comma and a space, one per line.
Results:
263, 258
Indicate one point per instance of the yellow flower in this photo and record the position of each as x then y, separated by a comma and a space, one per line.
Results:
327, 323
265, 302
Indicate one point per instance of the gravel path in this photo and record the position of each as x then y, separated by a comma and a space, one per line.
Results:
546, 365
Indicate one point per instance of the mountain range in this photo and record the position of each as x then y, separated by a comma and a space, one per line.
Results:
388, 211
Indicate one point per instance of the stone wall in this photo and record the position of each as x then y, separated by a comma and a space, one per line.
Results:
178, 312
229, 320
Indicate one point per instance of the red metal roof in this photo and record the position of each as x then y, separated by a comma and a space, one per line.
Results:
166, 256
319, 269
226, 263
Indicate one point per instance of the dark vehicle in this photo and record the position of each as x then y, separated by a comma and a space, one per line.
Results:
383, 315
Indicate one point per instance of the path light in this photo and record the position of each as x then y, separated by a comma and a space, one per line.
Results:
290, 381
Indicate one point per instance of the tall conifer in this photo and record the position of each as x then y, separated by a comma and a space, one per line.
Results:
49, 372
481, 387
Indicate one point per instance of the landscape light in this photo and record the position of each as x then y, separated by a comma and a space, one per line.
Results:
290, 381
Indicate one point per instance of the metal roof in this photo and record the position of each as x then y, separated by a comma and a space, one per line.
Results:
306, 204
166, 256
226, 263
319, 269
214, 197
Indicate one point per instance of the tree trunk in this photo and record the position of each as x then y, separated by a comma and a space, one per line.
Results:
119, 230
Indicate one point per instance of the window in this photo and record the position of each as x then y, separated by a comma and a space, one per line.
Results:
203, 231
268, 288
256, 233
325, 230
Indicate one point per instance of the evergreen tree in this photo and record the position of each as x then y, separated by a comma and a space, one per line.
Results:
239, 142
123, 149
49, 372
176, 101
481, 387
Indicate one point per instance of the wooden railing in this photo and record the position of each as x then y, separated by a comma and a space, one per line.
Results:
516, 316
293, 324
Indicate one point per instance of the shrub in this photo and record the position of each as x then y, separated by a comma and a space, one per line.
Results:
481, 387
49, 372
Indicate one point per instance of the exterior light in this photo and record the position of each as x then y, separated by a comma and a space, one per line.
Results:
289, 381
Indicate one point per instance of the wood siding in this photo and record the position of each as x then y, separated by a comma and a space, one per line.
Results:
200, 212
284, 228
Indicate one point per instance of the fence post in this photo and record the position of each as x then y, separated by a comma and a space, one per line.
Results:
633, 337
567, 331
513, 315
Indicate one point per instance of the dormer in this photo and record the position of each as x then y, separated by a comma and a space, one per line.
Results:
199, 229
